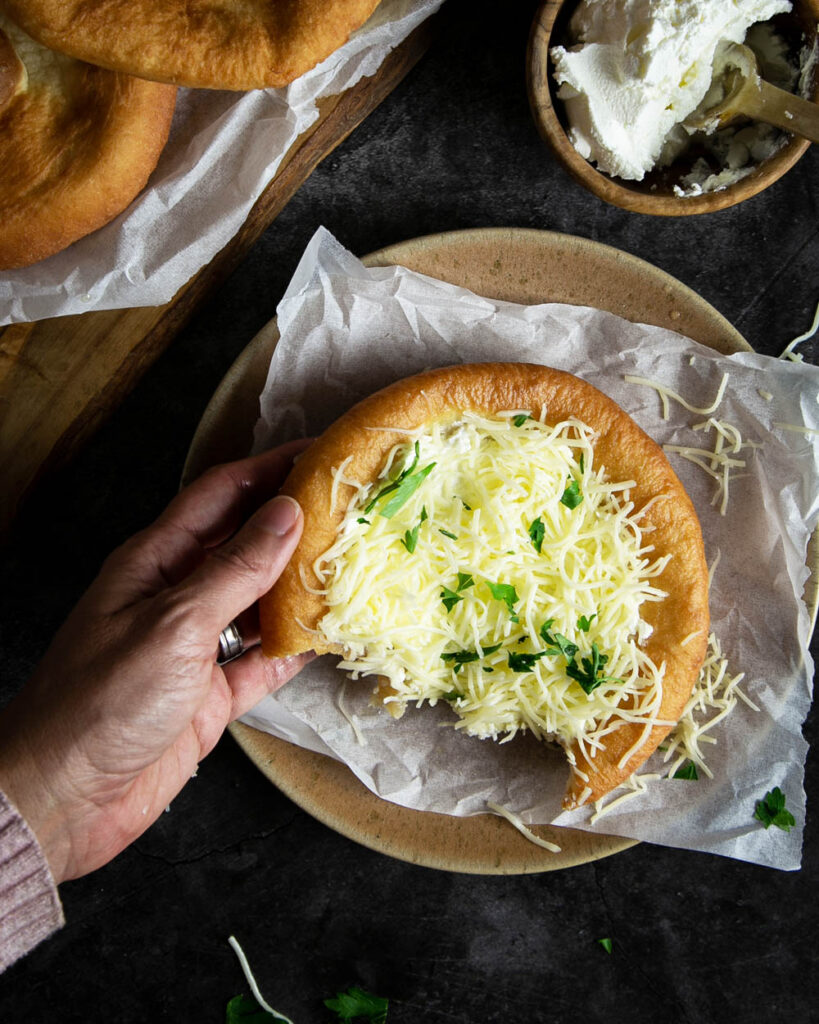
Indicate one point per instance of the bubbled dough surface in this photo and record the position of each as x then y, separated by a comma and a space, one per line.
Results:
220, 44
626, 452
79, 144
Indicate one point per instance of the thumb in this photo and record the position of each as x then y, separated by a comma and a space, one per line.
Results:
238, 572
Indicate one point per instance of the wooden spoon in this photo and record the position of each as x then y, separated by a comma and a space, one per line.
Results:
746, 94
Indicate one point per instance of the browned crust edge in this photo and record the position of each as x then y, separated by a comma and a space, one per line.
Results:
98, 160
223, 45
626, 452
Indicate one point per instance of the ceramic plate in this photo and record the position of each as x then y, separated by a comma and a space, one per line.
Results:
520, 266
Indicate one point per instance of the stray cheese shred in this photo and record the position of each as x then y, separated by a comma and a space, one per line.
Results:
509, 561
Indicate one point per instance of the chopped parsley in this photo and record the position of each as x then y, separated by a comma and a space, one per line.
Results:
686, 771
524, 662
520, 420
451, 597
461, 658
357, 1004
402, 488
410, 538
770, 810
606, 944
571, 496
556, 642
590, 674
465, 581
584, 623
505, 592
537, 531
446, 533
582, 462
244, 1010
408, 486
465, 505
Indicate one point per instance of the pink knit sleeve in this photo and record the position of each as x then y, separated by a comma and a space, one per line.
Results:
29, 905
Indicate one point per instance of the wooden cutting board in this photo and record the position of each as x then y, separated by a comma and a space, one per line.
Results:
60, 378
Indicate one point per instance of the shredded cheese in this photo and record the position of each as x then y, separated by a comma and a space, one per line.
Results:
719, 461
410, 597
254, 988
796, 429
714, 697
515, 820
788, 353
666, 393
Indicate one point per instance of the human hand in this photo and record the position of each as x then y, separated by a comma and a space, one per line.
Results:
128, 699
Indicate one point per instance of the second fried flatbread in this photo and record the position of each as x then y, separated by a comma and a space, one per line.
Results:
214, 44
79, 143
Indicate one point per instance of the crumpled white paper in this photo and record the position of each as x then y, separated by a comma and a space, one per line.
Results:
223, 149
347, 330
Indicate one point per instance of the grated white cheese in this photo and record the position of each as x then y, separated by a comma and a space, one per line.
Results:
517, 821
714, 697
471, 518
788, 353
718, 462
666, 393
254, 988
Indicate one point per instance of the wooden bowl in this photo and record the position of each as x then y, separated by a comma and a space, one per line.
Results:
655, 193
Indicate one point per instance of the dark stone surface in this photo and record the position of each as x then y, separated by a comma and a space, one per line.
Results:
697, 938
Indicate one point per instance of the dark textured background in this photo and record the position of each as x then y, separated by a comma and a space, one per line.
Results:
696, 938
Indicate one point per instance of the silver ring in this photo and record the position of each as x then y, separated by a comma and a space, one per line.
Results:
231, 644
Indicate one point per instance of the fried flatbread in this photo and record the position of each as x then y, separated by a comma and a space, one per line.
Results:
212, 44
79, 144
361, 440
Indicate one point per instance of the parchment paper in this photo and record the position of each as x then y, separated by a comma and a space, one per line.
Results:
347, 330
223, 149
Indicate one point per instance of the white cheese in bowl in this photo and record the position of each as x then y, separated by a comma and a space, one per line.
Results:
641, 67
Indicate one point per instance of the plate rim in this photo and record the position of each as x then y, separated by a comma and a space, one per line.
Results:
525, 857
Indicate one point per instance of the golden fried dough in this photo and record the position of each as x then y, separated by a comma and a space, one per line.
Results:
673, 629
79, 143
215, 44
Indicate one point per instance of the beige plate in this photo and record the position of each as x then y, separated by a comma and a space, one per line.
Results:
520, 266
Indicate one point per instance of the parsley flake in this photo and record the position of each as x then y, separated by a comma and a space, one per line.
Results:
449, 598
590, 675
465, 581
461, 658
537, 531
244, 1010
505, 592
408, 486
606, 944
686, 771
446, 533
361, 519
520, 420
556, 642
410, 538
402, 488
571, 496
356, 1003
770, 810
584, 623
524, 662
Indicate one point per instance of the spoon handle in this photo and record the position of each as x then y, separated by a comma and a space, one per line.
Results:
783, 109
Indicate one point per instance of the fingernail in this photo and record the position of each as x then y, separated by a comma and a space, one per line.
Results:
281, 515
